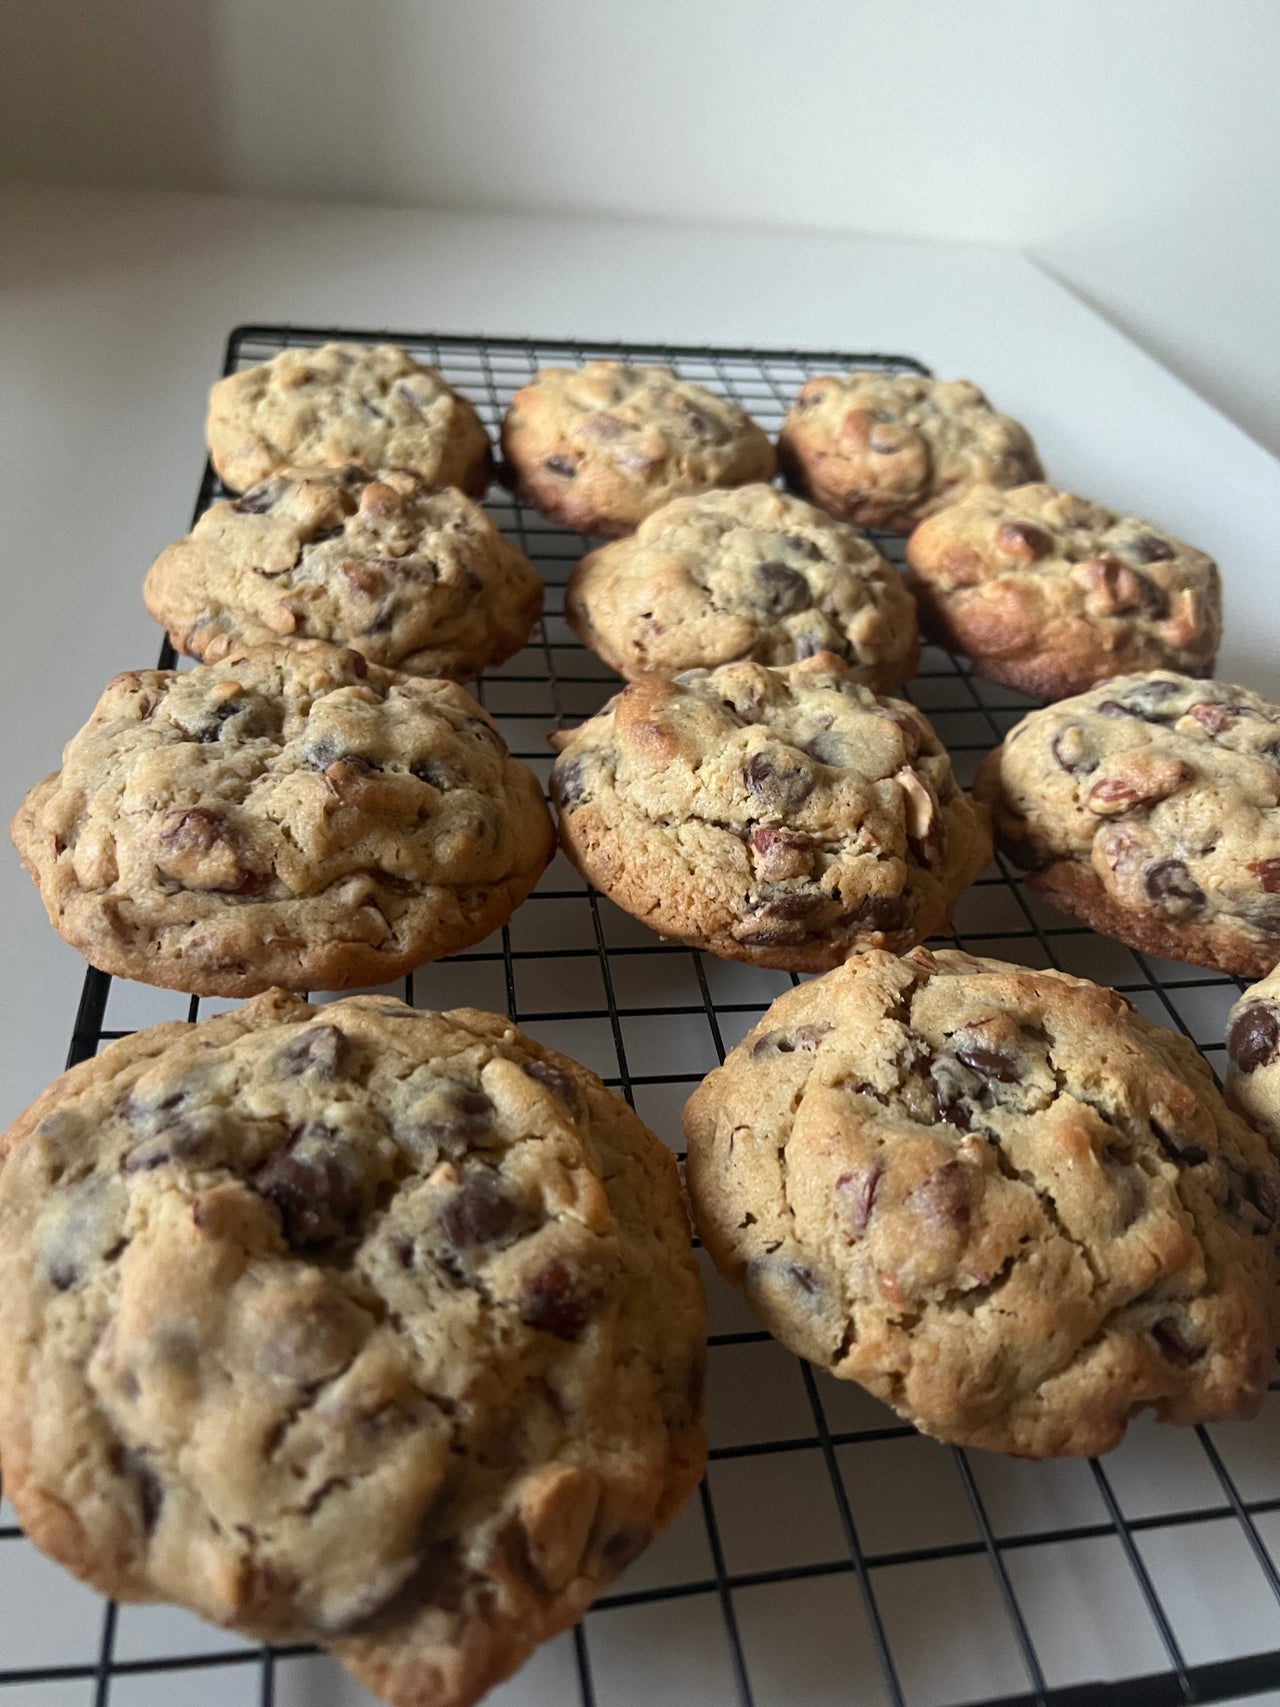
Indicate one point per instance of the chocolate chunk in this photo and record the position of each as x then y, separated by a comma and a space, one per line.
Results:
479, 1212
944, 1196
559, 1301
561, 465
1148, 549
314, 1193
804, 547
196, 829
805, 1039
559, 1083
322, 535
1171, 886
782, 589
861, 1190
258, 499
1246, 1187
988, 1063
452, 1115
148, 1488
568, 786
435, 775
779, 777
1153, 601
1254, 1038
1173, 1342
321, 1049
1149, 701
1179, 1150
143, 1158
1073, 752
880, 912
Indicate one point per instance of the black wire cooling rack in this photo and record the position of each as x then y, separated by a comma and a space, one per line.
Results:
832, 1558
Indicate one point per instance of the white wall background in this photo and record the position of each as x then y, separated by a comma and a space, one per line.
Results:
1131, 146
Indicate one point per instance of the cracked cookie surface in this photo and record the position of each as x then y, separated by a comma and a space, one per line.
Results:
1150, 808
748, 573
289, 815
1253, 1058
781, 816
370, 404
886, 450
999, 1199
1050, 593
602, 446
351, 1324
412, 576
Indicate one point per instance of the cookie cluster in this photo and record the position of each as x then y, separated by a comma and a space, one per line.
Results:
379, 1328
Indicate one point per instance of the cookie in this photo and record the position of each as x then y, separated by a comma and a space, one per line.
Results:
1253, 1058
746, 573
370, 404
289, 815
355, 1325
888, 449
999, 1199
601, 447
1147, 808
412, 576
1049, 593
786, 817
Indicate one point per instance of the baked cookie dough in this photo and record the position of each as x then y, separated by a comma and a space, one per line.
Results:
1000, 1199
1148, 808
370, 404
601, 447
785, 817
353, 1324
289, 815
744, 573
1049, 593
412, 576
888, 449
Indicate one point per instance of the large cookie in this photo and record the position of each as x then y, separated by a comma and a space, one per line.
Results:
1049, 593
1148, 808
1253, 1058
289, 815
370, 404
887, 449
781, 816
1000, 1199
350, 1324
747, 573
601, 447
412, 576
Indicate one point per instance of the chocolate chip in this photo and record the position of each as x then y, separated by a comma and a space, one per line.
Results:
943, 1197
321, 535
1254, 1038
1113, 708
561, 465
783, 589
862, 1189
558, 1301
1171, 886
988, 1063
1152, 600
1073, 752
479, 1212
322, 1050
453, 1114
779, 777
258, 499
805, 547
197, 829
880, 912
568, 786
314, 1194
1173, 1342
148, 1488
805, 1039
1247, 1187
1179, 1150
435, 775
1145, 701
1148, 549
143, 1158
559, 1083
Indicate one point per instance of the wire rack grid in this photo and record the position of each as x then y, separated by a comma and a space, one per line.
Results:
832, 1557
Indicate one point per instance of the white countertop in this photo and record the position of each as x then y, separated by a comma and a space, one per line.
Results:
114, 309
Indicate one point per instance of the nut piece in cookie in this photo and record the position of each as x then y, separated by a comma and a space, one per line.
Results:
886, 449
412, 576
1253, 1058
1003, 1201
370, 404
1148, 808
785, 817
288, 815
1049, 593
601, 447
748, 573
353, 1324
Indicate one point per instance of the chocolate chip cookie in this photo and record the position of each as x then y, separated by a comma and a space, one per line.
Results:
1049, 593
1000, 1199
747, 573
887, 449
601, 447
412, 576
353, 1324
288, 815
1148, 808
1253, 1058
781, 816
370, 404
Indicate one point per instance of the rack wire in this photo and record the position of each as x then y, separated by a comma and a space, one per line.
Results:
832, 1557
